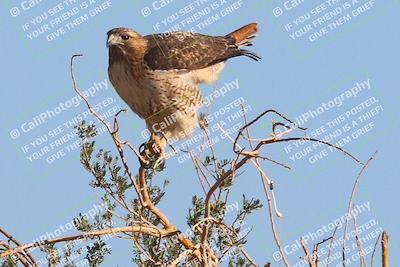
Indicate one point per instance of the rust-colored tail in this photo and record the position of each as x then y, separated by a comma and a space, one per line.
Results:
244, 35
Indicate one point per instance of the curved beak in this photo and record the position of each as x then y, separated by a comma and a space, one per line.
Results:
113, 40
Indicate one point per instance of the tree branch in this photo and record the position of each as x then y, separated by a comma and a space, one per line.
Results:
385, 249
350, 205
127, 229
25, 255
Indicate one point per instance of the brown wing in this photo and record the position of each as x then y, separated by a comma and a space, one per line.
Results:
184, 50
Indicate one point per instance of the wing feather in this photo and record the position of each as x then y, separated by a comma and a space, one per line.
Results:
189, 51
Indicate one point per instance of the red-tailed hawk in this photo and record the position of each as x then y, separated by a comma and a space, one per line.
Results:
158, 75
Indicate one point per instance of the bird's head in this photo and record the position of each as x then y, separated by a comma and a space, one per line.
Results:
124, 38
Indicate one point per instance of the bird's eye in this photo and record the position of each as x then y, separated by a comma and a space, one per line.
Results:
125, 37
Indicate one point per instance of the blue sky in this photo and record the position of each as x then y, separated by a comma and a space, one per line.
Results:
333, 64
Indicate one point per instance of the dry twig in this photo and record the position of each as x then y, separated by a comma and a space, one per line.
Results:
373, 252
385, 249
353, 193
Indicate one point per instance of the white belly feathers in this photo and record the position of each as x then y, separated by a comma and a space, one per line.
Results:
167, 100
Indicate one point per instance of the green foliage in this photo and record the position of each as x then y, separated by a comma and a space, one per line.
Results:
96, 252
109, 175
248, 206
196, 213
69, 253
237, 260
53, 255
9, 262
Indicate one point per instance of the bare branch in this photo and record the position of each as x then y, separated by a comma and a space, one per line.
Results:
255, 120
330, 246
359, 244
353, 193
271, 206
268, 141
385, 249
307, 257
373, 252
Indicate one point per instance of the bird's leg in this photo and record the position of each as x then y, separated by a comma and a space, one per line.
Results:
154, 150
158, 144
